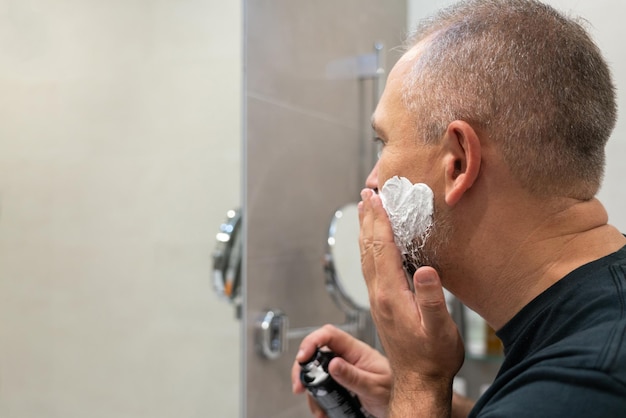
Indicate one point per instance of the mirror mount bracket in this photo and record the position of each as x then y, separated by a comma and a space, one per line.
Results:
273, 333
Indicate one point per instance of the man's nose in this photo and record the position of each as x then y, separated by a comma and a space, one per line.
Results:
372, 179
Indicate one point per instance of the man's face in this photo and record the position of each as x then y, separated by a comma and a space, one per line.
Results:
403, 150
404, 154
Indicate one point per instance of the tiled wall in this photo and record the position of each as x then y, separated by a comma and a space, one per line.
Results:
119, 157
306, 129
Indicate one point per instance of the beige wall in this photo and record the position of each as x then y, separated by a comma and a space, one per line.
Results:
119, 156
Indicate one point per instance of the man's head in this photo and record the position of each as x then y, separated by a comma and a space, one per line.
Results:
510, 84
529, 78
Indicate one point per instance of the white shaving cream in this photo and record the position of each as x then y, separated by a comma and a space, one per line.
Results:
410, 210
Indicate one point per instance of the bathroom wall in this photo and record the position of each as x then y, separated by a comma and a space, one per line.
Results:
307, 133
120, 128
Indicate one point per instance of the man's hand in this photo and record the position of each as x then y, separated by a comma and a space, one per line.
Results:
418, 335
358, 367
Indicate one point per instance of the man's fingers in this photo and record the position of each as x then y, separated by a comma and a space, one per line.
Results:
296, 384
387, 258
430, 299
337, 340
345, 374
380, 257
366, 224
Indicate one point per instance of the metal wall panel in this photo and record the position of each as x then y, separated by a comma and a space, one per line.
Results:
304, 158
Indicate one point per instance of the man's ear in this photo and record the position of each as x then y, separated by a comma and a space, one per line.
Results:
461, 161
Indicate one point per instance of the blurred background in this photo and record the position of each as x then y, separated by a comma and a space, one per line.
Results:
120, 153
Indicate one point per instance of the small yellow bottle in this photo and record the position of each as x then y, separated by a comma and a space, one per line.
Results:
492, 342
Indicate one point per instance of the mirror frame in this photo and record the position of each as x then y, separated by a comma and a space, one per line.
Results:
334, 284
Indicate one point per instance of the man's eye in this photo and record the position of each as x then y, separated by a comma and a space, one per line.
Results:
380, 144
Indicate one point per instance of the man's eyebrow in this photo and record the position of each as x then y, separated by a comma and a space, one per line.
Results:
378, 130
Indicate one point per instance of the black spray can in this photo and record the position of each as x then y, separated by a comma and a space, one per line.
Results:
333, 398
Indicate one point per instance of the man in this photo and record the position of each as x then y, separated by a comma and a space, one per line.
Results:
503, 108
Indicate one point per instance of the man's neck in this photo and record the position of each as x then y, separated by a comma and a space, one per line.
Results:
530, 252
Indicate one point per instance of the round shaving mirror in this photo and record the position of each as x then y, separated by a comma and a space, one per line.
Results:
344, 278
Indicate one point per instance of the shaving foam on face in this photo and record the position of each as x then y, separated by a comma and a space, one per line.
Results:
410, 210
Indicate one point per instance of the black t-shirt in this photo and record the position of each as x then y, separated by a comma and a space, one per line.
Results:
565, 352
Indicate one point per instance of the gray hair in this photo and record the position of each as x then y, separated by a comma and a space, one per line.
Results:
529, 78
